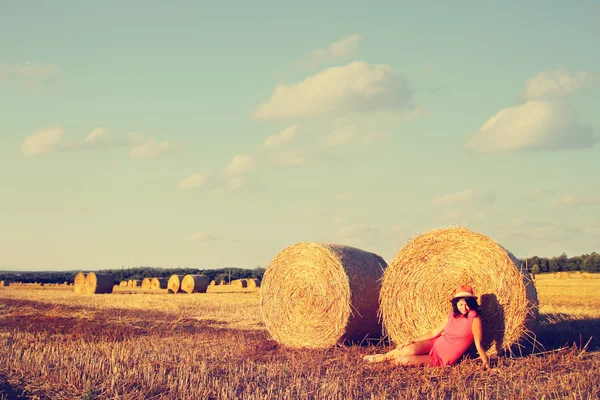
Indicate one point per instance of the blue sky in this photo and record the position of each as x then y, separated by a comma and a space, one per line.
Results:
204, 135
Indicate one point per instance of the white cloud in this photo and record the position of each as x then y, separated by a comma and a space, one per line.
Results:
355, 88
535, 125
340, 49
192, 182
285, 136
42, 141
538, 232
344, 134
96, 134
577, 201
29, 71
239, 164
464, 196
203, 237
555, 83
150, 148
225, 186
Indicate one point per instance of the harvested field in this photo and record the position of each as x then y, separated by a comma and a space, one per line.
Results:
137, 344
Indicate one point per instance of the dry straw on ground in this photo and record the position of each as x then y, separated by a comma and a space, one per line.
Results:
159, 283
422, 278
194, 284
98, 283
147, 283
174, 284
79, 282
316, 295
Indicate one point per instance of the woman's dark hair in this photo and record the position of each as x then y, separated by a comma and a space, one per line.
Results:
471, 302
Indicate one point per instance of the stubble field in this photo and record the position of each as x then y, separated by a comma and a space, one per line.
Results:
136, 344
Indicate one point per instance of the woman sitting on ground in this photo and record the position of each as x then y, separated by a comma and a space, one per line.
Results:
445, 344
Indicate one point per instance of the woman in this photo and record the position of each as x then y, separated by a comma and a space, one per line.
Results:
445, 344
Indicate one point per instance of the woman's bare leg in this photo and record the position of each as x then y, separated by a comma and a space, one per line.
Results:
417, 348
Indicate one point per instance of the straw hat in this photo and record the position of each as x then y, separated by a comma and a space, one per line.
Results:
464, 291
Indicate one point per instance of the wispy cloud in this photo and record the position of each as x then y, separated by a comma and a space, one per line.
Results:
285, 136
340, 49
145, 148
192, 182
464, 196
572, 200
355, 88
29, 73
239, 164
199, 237
42, 141
536, 125
96, 134
555, 83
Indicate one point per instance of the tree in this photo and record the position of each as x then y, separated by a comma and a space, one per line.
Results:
535, 269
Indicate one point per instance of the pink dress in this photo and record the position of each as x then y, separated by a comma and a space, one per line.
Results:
458, 336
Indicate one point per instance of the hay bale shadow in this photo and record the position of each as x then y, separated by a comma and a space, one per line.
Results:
558, 330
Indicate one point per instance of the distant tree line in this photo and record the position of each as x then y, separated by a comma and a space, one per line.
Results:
586, 262
124, 274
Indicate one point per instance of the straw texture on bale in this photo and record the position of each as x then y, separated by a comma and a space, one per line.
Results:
98, 283
79, 282
316, 295
419, 284
159, 283
174, 284
194, 284
147, 283
239, 283
253, 283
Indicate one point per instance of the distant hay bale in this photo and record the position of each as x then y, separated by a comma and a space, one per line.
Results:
223, 283
98, 283
137, 283
424, 274
564, 275
212, 283
79, 282
159, 283
147, 283
316, 295
586, 275
3, 283
577, 274
123, 284
174, 283
239, 283
253, 283
194, 284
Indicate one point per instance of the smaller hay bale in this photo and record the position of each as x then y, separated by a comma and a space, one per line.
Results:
147, 283
239, 283
137, 283
79, 282
3, 283
98, 283
159, 283
586, 275
564, 275
212, 283
194, 284
123, 283
174, 283
223, 283
253, 283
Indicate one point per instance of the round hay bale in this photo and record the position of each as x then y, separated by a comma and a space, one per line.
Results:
79, 282
98, 283
3, 283
577, 274
174, 283
316, 295
194, 284
418, 285
586, 275
239, 283
212, 283
253, 283
123, 284
147, 283
159, 283
564, 275
137, 283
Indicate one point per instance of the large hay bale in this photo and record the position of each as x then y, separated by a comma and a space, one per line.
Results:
194, 284
98, 283
147, 283
174, 283
239, 283
79, 282
253, 283
316, 295
159, 283
422, 278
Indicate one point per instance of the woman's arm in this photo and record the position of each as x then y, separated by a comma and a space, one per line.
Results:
477, 336
435, 332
